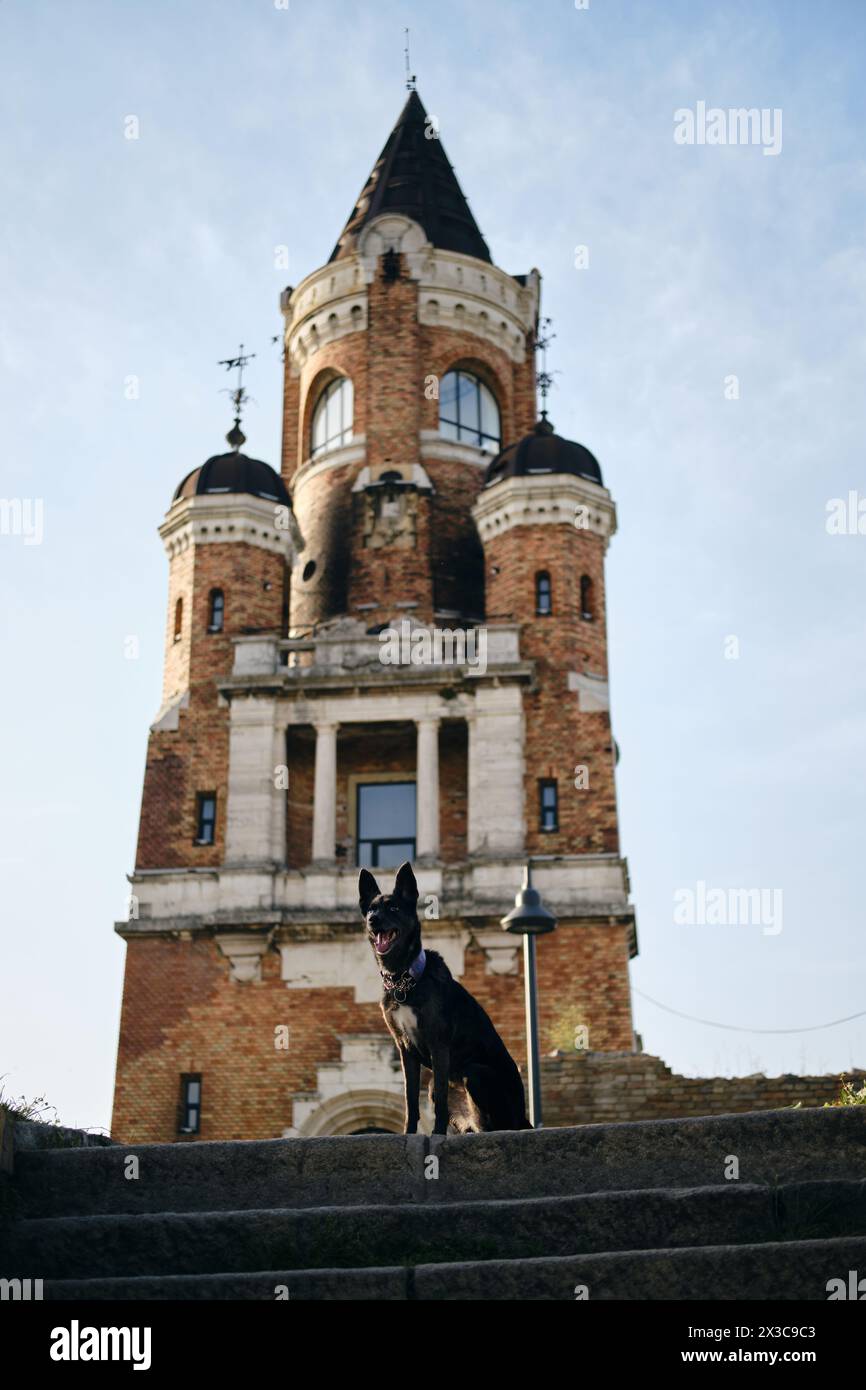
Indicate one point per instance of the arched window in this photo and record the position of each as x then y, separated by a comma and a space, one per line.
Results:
178, 619
217, 610
543, 595
586, 605
468, 412
332, 417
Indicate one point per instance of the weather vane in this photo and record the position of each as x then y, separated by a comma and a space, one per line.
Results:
544, 378
240, 396
410, 76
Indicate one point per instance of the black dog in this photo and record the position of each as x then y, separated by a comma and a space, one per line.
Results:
436, 1023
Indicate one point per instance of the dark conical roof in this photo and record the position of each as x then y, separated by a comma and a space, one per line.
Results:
542, 451
233, 473
412, 176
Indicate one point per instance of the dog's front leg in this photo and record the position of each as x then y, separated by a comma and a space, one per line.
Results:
411, 1087
441, 1069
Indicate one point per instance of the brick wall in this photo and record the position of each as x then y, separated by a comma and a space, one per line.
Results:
597, 1088
301, 761
456, 555
453, 790
183, 1013
385, 572
390, 365
559, 735
194, 757
320, 578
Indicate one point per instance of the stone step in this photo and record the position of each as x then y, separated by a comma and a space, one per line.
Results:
790, 1270
771, 1147
193, 1243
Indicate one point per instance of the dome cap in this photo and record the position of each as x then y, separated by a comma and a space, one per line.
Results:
543, 451
234, 473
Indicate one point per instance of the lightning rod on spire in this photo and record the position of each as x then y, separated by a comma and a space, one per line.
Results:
410, 76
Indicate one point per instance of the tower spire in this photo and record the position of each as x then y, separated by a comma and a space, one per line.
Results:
412, 177
240, 396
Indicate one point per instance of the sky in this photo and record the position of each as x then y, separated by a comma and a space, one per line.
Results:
709, 350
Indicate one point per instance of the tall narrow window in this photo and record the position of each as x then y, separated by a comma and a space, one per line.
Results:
216, 614
190, 1105
178, 619
205, 818
468, 412
586, 605
386, 824
543, 595
332, 417
548, 804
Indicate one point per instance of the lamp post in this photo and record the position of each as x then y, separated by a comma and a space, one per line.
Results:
529, 918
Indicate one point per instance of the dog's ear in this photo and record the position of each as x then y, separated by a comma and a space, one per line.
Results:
368, 889
405, 884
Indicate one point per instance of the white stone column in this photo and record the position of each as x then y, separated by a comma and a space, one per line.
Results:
280, 791
325, 794
250, 834
496, 772
427, 790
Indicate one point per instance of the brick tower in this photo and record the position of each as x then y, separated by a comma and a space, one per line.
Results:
393, 649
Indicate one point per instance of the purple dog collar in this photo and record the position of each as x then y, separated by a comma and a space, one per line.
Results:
399, 987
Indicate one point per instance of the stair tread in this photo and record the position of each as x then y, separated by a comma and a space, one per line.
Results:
442, 1210
394, 1281
646, 1155
352, 1237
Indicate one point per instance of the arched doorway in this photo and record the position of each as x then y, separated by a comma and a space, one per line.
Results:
367, 1111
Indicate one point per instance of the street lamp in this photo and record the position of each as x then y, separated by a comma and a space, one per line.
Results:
529, 918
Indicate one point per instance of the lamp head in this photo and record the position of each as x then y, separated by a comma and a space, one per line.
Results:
529, 916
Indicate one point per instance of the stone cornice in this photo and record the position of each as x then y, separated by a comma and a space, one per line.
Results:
468, 296
316, 904
223, 518
323, 924
454, 291
303, 681
326, 305
544, 499
344, 457
435, 446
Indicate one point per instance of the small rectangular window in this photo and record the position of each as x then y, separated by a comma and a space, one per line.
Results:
543, 595
190, 1105
205, 818
386, 823
216, 617
548, 805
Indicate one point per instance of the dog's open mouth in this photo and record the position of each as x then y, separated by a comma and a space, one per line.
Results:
384, 940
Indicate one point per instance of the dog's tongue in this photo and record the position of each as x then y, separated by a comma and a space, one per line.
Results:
383, 941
